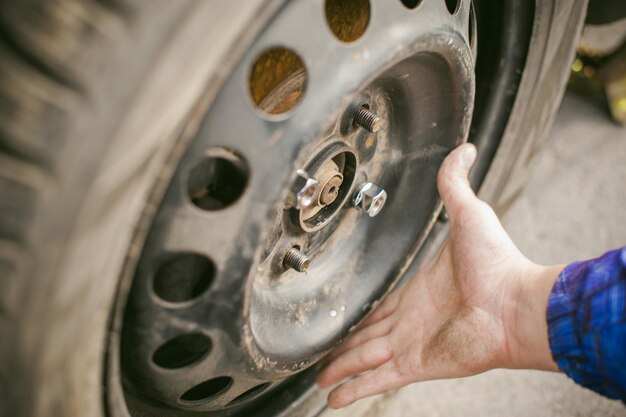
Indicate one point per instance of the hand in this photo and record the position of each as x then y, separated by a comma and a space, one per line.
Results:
480, 305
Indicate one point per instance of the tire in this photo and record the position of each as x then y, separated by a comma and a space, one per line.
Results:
94, 97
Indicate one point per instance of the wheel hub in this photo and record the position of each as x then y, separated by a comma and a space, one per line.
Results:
264, 251
334, 168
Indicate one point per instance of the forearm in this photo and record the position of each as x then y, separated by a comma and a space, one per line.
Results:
525, 322
571, 318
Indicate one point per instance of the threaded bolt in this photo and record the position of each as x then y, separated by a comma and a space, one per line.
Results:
295, 259
367, 119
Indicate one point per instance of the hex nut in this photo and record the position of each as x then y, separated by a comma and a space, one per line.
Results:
304, 190
370, 198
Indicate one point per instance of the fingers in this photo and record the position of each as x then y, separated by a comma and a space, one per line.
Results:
369, 355
376, 325
452, 180
378, 381
385, 310
373, 331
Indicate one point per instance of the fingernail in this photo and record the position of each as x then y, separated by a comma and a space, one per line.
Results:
468, 156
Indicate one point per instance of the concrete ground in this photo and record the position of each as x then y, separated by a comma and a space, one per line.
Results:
574, 207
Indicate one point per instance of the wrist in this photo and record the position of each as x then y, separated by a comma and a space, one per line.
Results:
525, 322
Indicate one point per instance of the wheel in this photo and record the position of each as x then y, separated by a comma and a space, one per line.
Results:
201, 198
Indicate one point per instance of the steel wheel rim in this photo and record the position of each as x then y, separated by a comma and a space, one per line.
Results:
228, 404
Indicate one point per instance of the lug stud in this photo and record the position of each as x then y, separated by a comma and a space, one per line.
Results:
367, 119
295, 259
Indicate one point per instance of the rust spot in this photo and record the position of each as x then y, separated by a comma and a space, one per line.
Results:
348, 19
277, 80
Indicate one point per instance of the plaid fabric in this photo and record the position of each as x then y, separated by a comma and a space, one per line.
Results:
587, 323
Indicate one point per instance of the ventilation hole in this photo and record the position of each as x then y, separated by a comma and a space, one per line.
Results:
218, 180
207, 390
183, 277
452, 5
250, 393
411, 4
182, 351
348, 19
277, 81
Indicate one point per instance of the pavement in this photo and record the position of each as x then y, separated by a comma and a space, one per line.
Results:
573, 207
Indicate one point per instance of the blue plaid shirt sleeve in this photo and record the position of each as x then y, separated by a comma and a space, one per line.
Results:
587, 323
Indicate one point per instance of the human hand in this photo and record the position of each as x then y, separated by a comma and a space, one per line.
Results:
480, 305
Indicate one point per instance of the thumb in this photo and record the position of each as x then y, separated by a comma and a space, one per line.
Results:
452, 182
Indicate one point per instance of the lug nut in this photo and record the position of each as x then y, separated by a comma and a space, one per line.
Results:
304, 190
367, 119
370, 198
295, 259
